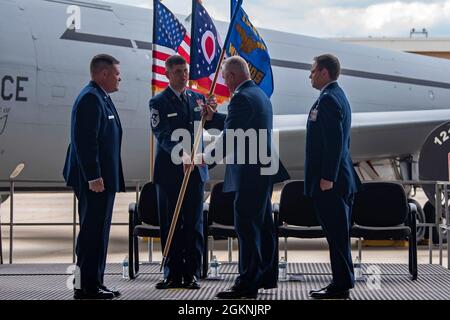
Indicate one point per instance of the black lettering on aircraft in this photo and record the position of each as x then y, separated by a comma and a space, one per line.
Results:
7, 88
121, 42
19, 89
4, 80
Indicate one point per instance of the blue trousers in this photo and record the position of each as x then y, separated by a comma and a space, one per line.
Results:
258, 256
185, 256
334, 213
95, 213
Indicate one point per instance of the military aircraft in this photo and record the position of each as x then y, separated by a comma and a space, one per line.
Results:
46, 45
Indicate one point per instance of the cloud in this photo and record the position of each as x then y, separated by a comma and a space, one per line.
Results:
330, 18
386, 19
350, 18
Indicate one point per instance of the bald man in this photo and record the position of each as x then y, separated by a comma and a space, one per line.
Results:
250, 110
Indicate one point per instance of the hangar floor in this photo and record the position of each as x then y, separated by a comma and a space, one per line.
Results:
385, 282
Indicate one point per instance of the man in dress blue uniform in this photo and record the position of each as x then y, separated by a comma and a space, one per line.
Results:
179, 108
94, 169
250, 110
330, 178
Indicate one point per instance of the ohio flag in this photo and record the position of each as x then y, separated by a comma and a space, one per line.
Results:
205, 53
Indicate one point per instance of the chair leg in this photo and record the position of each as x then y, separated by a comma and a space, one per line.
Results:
412, 258
131, 246
360, 249
414, 253
211, 250
131, 255
136, 256
285, 248
410, 255
230, 249
205, 258
204, 272
413, 248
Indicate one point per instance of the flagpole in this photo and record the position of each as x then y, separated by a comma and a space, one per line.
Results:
198, 138
225, 45
153, 91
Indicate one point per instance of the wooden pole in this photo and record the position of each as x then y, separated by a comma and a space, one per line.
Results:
187, 174
197, 140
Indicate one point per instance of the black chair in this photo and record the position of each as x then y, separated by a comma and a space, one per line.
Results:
295, 216
143, 222
381, 212
219, 215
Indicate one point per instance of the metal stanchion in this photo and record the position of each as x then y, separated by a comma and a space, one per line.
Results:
430, 243
11, 220
446, 225
13, 185
138, 186
14, 174
438, 208
150, 249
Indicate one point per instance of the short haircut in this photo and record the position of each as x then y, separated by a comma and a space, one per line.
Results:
174, 60
102, 61
329, 62
237, 65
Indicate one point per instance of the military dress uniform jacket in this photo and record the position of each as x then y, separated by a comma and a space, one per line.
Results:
96, 138
328, 143
249, 109
169, 113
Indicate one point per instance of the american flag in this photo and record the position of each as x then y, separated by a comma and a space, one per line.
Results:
169, 37
205, 53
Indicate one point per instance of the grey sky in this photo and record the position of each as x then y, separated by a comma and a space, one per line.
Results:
330, 18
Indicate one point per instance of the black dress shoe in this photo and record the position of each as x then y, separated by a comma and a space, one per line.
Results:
236, 293
330, 293
191, 283
318, 290
115, 292
80, 294
168, 284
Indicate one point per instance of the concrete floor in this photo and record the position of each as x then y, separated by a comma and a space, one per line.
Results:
53, 244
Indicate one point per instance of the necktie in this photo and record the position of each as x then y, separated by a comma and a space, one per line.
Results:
184, 100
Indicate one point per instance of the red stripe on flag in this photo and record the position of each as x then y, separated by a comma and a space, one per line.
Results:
159, 70
187, 40
160, 84
184, 54
160, 55
220, 88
